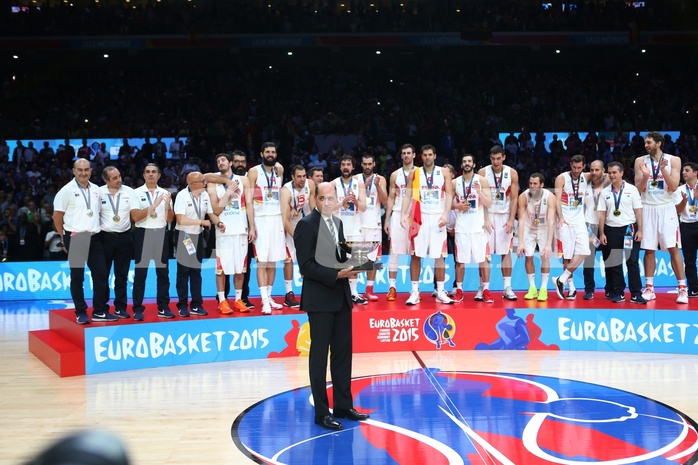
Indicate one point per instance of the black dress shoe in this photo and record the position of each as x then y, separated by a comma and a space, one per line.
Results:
350, 414
329, 422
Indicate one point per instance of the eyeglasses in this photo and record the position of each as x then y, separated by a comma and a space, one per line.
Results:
202, 181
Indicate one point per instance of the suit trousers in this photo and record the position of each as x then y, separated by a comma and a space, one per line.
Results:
189, 270
151, 244
118, 250
590, 264
613, 259
87, 247
331, 330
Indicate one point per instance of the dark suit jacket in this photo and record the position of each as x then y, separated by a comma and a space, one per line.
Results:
317, 252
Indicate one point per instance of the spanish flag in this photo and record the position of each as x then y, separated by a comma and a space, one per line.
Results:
416, 222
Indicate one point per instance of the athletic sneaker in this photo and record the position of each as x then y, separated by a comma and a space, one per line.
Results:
486, 296
104, 316
82, 319
224, 307
532, 293
240, 306
453, 292
618, 298
266, 307
543, 295
122, 314
692, 294
683, 295
358, 300
290, 300
165, 313
458, 296
369, 295
648, 294
571, 295
275, 305
183, 312
413, 299
443, 298
138, 315
638, 299
433, 294
478, 294
509, 294
559, 288
392, 294
589, 295
248, 304
199, 311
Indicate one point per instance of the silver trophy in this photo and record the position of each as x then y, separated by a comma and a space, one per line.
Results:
359, 260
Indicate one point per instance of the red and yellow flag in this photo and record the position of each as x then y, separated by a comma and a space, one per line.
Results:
416, 222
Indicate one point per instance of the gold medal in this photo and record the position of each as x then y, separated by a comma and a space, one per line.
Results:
575, 203
693, 209
536, 222
270, 195
154, 215
116, 218
230, 203
499, 196
654, 183
89, 213
616, 212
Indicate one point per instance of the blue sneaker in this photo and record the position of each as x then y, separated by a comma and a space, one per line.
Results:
167, 313
104, 317
589, 295
198, 311
638, 299
138, 315
618, 298
82, 319
122, 314
182, 312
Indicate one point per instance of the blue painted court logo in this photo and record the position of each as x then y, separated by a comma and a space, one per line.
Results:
439, 329
428, 416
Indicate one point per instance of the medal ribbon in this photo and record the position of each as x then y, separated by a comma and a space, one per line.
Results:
344, 188
655, 172
618, 198
691, 198
575, 188
197, 205
368, 186
147, 194
467, 192
498, 183
113, 208
270, 179
429, 179
88, 199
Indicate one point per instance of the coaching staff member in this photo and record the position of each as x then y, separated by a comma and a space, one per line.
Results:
326, 297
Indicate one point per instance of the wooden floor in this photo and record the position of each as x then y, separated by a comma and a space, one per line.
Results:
183, 415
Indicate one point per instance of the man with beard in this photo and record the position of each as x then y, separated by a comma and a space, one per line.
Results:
351, 198
471, 197
537, 211
504, 187
269, 244
657, 176
431, 186
297, 201
152, 242
688, 223
232, 242
572, 230
399, 240
371, 230
597, 182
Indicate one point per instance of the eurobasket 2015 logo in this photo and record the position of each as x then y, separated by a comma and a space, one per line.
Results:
427, 416
439, 329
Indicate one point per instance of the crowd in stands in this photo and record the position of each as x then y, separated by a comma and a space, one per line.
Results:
337, 16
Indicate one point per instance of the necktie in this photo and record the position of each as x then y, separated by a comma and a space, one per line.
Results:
333, 230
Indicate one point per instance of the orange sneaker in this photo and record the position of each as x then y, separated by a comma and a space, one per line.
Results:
224, 307
239, 306
369, 295
392, 294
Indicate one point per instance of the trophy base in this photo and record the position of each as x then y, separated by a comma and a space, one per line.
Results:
364, 266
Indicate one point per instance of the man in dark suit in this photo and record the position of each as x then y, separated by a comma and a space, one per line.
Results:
327, 299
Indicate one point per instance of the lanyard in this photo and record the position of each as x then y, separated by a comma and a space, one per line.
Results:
655, 172
617, 198
115, 209
87, 197
467, 192
691, 198
344, 188
368, 186
270, 179
147, 193
429, 179
497, 183
575, 189
197, 205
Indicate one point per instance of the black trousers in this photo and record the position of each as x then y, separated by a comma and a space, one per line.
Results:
246, 280
689, 245
189, 270
331, 330
613, 254
87, 247
118, 251
590, 264
151, 244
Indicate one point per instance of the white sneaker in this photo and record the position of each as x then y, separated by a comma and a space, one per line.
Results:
275, 305
266, 308
648, 294
413, 299
443, 298
683, 296
478, 295
509, 293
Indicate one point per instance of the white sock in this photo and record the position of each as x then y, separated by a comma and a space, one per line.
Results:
289, 285
485, 285
369, 283
238, 294
353, 284
531, 280
263, 291
649, 280
458, 285
439, 286
570, 284
221, 296
507, 281
544, 280
415, 286
392, 282
269, 291
565, 276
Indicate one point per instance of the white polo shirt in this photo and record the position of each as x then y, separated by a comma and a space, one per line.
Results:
145, 199
77, 203
629, 201
196, 209
115, 214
